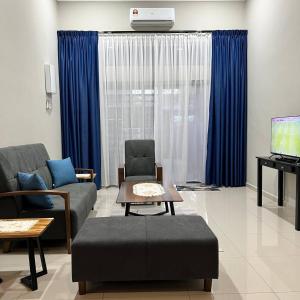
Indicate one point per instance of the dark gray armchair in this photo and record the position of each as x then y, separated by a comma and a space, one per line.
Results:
140, 162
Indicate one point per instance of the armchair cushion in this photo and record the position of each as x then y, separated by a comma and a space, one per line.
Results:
139, 158
29, 181
62, 172
140, 178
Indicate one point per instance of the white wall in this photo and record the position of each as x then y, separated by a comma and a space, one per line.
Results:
28, 40
274, 78
28, 32
105, 16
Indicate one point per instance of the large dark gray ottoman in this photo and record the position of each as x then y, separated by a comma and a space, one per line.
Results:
144, 248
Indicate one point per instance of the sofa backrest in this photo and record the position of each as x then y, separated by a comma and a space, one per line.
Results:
26, 158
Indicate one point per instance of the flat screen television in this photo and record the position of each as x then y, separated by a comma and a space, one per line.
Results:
286, 136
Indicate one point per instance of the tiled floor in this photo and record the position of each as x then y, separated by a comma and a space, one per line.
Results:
259, 257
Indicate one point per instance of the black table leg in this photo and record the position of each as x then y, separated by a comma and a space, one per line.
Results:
31, 280
167, 207
42, 257
127, 209
297, 215
259, 183
1, 280
280, 188
172, 208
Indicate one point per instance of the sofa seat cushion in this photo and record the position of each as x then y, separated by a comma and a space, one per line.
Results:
85, 192
140, 178
82, 199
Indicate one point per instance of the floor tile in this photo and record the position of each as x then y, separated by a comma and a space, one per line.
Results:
259, 254
258, 296
61, 287
237, 276
148, 296
281, 273
265, 244
288, 296
89, 296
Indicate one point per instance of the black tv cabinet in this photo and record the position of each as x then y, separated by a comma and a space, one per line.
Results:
282, 167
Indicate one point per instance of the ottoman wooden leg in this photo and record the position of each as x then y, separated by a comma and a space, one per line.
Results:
82, 287
207, 285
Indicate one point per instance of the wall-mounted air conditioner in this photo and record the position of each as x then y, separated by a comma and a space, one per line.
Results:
151, 19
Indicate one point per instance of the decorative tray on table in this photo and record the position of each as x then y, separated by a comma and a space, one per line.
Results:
148, 189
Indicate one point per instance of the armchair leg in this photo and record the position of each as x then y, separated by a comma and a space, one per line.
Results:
121, 176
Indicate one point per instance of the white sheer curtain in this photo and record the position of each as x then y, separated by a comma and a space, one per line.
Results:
155, 86
181, 107
126, 96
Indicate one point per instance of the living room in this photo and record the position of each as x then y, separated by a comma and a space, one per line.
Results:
150, 149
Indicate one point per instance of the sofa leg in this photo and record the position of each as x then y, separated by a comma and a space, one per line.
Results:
207, 285
82, 287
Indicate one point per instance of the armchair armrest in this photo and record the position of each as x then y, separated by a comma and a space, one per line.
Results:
159, 172
86, 174
64, 195
121, 174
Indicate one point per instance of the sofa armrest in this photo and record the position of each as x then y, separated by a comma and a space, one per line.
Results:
159, 172
85, 174
63, 194
121, 174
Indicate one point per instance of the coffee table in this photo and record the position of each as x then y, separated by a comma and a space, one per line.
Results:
127, 197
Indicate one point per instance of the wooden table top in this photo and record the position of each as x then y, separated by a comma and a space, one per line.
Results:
126, 195
35, 231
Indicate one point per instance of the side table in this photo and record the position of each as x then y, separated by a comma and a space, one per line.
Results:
32, 235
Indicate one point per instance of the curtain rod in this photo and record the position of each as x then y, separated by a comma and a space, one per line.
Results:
175, 31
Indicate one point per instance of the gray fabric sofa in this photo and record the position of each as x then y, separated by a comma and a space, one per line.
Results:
72, 202
144, 248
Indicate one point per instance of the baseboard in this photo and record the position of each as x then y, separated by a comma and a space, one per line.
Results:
269, 195
265, 193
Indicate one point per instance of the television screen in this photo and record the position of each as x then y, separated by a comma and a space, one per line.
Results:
286, 136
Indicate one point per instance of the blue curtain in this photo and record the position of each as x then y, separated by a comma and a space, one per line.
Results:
79, 98
227, 131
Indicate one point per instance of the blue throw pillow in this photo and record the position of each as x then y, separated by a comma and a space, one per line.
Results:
29, 181
62, 171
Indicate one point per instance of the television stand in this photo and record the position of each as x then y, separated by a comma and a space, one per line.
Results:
282, 166
285, 159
